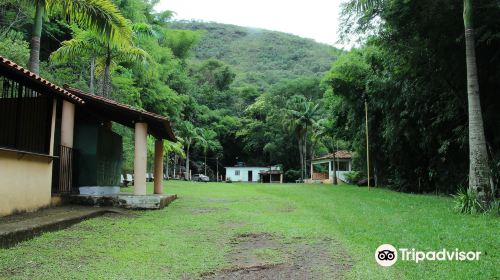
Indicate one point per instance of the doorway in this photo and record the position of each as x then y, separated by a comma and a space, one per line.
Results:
250, 176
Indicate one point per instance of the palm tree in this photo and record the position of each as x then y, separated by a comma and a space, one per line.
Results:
189, 133
101, 16
478, 158
103, 55
173, 147
320, 133
479, 169
300, 116
207, 140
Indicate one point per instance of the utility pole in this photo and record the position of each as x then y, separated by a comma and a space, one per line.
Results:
367, 143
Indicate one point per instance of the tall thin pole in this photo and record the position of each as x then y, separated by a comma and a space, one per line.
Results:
217, 165
367, 149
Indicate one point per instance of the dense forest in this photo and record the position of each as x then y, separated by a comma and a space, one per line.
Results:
259, 57
261, 97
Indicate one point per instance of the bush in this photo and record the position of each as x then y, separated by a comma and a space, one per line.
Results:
466, 202
292, 175
353, 177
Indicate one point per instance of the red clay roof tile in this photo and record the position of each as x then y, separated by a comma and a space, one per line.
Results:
39, 80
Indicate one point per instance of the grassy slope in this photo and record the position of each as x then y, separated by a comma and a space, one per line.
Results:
179, 241
260, 57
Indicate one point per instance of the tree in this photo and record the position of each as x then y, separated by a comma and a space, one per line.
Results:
301, 114
215, 74
479, 170
478, 157
101, 16
102, 54
190, 134
207, 141
175, 148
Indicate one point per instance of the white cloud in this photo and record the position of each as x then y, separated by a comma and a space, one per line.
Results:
316, 19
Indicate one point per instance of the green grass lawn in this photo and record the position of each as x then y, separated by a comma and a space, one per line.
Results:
194, 234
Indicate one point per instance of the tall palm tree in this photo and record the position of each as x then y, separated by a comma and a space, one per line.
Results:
301, 114
479, 169
102, 54
190, 134
478, 158
101, 16
207, 141
172, 147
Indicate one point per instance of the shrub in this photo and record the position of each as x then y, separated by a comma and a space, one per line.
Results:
353, 177
466, 202
292, 175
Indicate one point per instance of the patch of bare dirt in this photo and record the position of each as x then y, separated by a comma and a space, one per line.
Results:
207, 210
257, 256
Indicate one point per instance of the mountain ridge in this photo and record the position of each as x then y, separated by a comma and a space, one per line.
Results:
258, 56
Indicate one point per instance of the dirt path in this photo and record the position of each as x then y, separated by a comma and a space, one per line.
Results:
264, 256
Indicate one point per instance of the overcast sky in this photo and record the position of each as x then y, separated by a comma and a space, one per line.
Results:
315, 19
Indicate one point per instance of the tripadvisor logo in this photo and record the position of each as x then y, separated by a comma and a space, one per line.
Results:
387, 255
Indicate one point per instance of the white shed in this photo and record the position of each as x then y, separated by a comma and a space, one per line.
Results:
244, 173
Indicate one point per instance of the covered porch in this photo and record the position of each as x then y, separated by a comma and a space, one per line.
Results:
95, 153
323, 168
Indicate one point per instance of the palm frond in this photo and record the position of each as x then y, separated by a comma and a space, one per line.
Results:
101, 16
132, 54
143, 29
363, 5
84, 43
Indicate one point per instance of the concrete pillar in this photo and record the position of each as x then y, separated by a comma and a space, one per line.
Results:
330, 169
53, 127
281, 178
312, 170
158, 182
67, 123
140, 159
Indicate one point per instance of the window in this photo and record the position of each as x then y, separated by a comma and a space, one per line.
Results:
343, 166
25, 118
237, 173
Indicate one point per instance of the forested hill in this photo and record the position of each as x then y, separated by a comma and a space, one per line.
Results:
260, 57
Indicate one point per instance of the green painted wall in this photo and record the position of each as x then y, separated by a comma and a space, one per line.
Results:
99, 156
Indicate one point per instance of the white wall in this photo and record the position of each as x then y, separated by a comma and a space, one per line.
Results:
243, 176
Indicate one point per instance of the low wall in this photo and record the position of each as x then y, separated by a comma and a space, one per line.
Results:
319, 176
25, 182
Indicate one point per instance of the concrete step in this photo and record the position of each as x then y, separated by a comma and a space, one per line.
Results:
20, 227
125, 200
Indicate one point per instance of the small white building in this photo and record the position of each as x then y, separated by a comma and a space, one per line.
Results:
244, 173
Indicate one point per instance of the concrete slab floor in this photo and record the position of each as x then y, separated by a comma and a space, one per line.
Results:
24, 226
125, 200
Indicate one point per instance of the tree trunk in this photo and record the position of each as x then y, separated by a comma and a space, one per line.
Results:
187, 163
175, 164
166, 168
478, 157
34, 60
305, 153
334, 169
205, 164
92, 74
106, 81
299, 139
